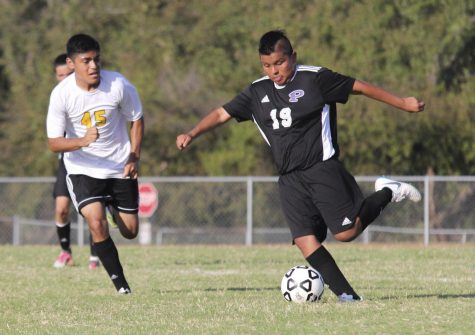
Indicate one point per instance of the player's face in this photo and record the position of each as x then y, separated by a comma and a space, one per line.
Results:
87, 68
62, 71
279, 66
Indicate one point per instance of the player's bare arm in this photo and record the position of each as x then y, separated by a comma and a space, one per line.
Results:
62, 144
409, 104
215, 118
131, 168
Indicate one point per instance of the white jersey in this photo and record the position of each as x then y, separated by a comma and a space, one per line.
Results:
109, 107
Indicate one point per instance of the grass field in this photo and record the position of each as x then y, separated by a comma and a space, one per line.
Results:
235, 290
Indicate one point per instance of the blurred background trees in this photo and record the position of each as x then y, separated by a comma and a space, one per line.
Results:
187, 57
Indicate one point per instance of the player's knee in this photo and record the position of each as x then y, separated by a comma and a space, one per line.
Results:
346, 236
62, 213
130, 234
97, 228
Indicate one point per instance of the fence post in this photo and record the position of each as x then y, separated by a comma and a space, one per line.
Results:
16, 230
426, 209
366, 236
249, 212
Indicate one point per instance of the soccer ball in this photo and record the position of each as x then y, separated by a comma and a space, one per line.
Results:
301, 284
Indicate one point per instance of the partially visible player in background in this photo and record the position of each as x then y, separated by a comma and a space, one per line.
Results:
95, 117
61, 194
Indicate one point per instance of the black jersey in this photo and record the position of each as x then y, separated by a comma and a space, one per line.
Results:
297, 120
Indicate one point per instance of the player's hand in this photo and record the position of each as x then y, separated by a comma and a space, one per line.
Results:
412, 105
183, 140
131, 168
92, 134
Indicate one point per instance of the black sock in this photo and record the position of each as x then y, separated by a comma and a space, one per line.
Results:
91, 245
107, 253
373, 206
64, 236
324, 263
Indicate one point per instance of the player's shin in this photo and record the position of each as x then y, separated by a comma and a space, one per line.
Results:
324, 263
109, 256
64, 232
373, 206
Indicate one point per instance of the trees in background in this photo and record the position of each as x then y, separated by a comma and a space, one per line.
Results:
187, 57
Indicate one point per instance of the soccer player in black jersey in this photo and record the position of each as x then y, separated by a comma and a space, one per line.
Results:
294, 107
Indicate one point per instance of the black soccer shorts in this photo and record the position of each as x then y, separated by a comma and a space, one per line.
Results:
324, 195
122, 194
60, 186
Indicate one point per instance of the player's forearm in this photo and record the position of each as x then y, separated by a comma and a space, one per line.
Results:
136, 136
62, 144
212, 120
377, 93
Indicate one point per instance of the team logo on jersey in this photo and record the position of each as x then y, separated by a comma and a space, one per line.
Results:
296, 95
265, 99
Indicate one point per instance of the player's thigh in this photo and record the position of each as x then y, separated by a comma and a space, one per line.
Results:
336, 194
303, 217
130, 221
85, 190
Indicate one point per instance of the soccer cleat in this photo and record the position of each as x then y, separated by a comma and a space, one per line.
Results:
348, 298
124, 290
64, 258
110, 217
400, 190
94, 262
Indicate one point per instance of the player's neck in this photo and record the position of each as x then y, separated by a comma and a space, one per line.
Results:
87, 87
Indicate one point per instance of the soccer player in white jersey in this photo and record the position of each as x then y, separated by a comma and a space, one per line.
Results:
294, 107
94, 108
61, 194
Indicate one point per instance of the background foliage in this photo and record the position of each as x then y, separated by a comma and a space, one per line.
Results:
187, 57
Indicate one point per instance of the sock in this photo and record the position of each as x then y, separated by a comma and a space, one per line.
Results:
64, 232
373, 206
324, 263
107, 253
91, 245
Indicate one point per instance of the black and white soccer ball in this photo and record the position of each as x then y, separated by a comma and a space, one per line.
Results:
301, 284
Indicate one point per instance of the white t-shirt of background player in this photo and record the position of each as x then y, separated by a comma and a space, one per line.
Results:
110, 108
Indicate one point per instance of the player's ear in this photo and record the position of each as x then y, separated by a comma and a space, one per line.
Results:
293, 57
70, 63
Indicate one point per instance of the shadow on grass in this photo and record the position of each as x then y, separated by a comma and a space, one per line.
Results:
221, 289
439, 296
257, 289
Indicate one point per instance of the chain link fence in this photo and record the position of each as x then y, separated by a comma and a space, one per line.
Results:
241, 210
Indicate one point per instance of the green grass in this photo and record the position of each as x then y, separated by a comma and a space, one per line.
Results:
235, 290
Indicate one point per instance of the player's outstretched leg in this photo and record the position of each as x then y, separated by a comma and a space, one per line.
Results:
324, 263
399, 189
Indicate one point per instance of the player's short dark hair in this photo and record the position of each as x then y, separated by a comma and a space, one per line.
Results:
275, 40
59, 60
81, 43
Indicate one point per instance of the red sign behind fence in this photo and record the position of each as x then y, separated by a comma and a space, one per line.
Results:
148, 200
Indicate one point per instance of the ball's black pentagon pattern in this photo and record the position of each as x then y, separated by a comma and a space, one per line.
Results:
289, 273
291, 284
306, 285
287, 296
312, 274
